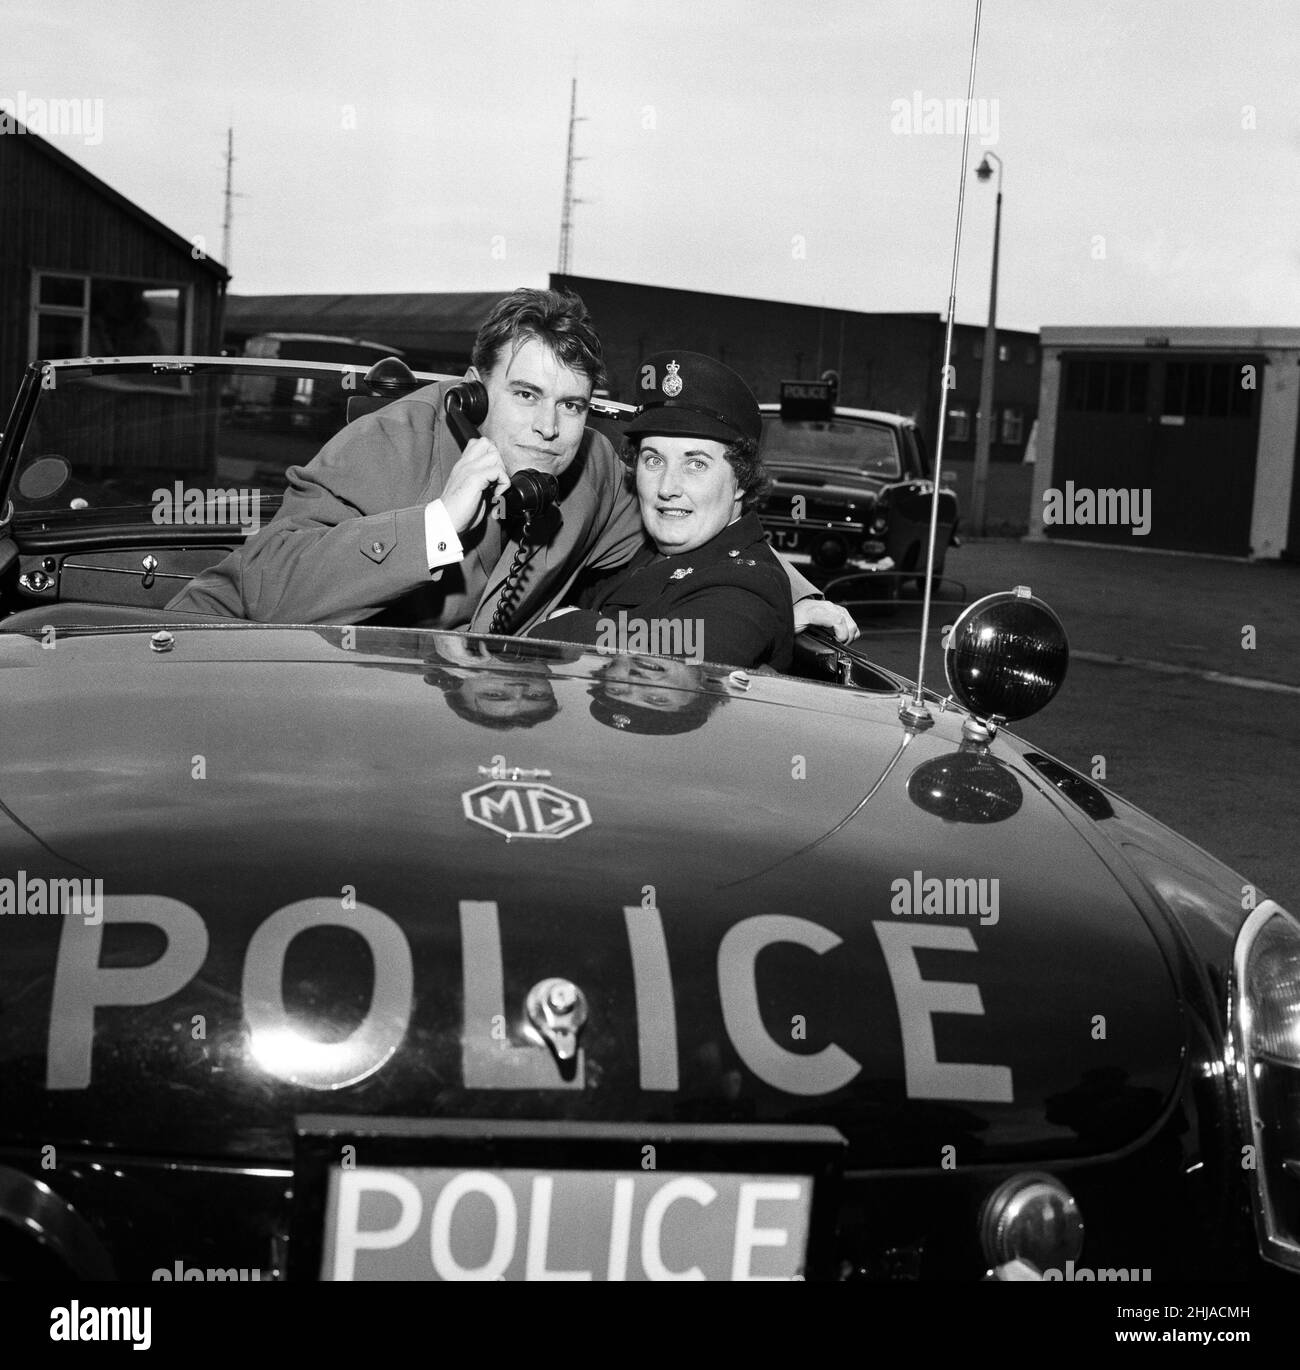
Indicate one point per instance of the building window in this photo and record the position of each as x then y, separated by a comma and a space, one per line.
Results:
59, 335
1013, 427
61, 310
977, 348
85, 316
1031, 355
958, 423
1004, 352
1206, 390
1113, 387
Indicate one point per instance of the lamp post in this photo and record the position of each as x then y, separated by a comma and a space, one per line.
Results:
984, 437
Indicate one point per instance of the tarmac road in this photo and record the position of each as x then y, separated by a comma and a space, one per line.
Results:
1197, 728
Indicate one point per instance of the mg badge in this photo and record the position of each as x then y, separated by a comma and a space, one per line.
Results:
672, 381
517, 808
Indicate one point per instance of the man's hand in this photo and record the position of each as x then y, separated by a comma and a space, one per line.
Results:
479, 474
457, 650
822, 613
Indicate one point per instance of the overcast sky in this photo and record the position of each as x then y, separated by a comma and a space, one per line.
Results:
1151, 147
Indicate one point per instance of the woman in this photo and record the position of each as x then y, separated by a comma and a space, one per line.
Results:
706, 585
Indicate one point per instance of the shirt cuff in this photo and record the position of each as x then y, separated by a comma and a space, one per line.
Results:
440, 540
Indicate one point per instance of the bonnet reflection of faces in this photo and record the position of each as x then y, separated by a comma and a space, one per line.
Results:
652, 694
653, 682
497, 689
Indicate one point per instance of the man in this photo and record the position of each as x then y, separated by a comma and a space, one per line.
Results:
390, 521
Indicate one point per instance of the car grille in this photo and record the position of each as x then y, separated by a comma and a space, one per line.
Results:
778, 510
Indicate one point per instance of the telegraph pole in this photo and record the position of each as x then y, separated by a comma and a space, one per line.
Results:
566, 219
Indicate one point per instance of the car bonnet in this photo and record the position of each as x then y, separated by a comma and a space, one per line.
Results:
319, 884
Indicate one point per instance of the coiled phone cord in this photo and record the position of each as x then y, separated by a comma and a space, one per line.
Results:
512, 590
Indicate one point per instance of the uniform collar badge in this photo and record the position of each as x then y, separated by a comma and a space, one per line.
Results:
672, 381
682, 574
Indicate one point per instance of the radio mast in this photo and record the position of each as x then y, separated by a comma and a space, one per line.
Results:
225, 223
231, 196
566, 219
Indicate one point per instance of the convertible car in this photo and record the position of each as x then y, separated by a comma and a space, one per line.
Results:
363, 953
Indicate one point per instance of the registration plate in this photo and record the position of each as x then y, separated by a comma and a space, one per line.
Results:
412, 1200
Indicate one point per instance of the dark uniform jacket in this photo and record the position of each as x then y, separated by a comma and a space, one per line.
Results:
733, 590
348, 542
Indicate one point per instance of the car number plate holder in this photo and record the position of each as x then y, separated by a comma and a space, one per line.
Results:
420, 1199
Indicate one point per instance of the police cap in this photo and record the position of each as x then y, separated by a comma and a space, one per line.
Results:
688, 393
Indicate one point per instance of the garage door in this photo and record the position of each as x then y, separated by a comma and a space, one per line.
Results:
1179, 433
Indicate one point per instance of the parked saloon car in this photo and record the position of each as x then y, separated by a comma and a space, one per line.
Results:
381, 951
851, 488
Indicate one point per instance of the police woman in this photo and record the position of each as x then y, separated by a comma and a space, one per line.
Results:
706, 584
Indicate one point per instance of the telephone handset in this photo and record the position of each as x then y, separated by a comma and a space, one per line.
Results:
530, 492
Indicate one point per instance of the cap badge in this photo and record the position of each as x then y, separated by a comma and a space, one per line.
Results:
682, 574
672, 381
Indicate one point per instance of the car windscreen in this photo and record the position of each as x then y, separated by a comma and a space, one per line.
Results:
108, 446
865, 448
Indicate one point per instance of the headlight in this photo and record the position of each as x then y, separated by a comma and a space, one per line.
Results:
1265, 1021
